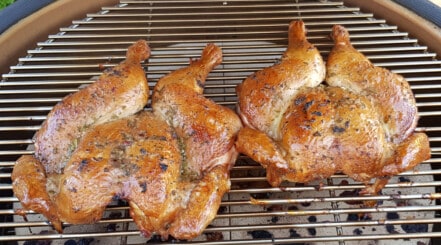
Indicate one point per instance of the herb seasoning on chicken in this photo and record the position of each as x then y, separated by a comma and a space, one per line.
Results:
171, 165
362, 123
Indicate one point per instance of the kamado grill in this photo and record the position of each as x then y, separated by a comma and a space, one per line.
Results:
253, 35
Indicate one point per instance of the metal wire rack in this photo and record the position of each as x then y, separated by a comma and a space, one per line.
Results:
253, 35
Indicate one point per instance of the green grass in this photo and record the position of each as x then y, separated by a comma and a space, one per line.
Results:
5, 3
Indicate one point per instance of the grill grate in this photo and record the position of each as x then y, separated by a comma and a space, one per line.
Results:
252, 35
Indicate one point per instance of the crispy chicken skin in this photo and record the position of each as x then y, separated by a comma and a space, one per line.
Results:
171, 165
118, 92
348, 68
261, 104
135, 159
327, 129
207, 132
29, 185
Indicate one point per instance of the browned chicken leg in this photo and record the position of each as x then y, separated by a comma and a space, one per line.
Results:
206, 133
327, 129
265, 95
350, 69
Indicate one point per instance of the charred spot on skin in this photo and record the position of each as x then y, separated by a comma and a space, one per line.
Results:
174, 135
163, 166
83, 164
306, 127
307, 105
143, 151
113, 72
317, 134
97, 159
143, 186
116, 197
199, 83
317, 113
324, 103
299, 100
337, 129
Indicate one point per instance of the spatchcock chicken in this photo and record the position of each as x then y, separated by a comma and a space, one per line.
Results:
171, 164
361, 123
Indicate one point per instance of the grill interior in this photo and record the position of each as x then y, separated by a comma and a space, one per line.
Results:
253, 35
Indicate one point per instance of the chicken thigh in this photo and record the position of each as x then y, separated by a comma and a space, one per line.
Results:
319, 130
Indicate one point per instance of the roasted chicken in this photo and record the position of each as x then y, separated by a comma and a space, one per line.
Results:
171, 165
300, 130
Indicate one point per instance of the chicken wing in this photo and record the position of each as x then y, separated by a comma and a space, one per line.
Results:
29, 185
347, 127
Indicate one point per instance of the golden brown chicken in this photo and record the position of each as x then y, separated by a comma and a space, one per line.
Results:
171, 165
362, 125
118, 92
135, 159
206, 133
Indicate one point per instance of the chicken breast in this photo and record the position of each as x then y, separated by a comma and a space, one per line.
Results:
348, 127
118, 92
135, 159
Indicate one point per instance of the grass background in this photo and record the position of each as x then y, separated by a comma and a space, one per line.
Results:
5, 3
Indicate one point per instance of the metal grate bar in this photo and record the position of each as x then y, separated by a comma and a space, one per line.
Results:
252, 35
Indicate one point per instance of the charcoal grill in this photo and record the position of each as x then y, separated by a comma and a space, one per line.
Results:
253, 35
